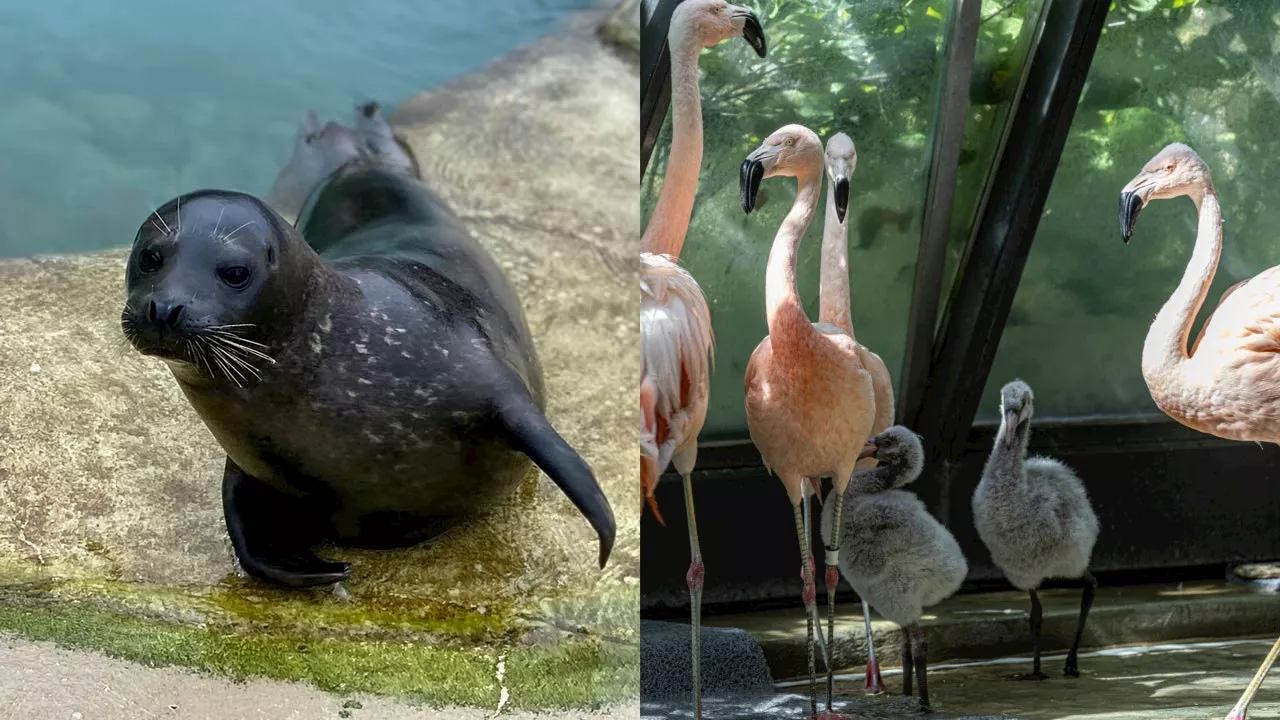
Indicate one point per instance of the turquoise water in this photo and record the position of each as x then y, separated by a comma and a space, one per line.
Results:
111, 108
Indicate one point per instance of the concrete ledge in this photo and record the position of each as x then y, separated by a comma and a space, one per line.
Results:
990, 625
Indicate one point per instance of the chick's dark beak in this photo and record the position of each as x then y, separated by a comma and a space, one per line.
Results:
753, 33
1010, 427
749, 183
842, 197
868, 450
1130, 206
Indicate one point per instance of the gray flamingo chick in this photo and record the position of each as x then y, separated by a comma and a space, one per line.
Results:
892, 551
1034, 515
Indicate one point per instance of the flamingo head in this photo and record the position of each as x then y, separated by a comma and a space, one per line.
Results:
900, 450
1015, 409
710, 22
842, 159
791, 151
1175, 170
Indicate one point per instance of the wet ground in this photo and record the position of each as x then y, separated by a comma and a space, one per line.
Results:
1191, 680
111, 532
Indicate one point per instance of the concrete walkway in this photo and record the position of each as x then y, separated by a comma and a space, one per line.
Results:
42, 682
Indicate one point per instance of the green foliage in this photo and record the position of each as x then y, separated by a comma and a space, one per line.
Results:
1203, 73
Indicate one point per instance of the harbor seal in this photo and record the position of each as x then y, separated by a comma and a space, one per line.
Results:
369, 372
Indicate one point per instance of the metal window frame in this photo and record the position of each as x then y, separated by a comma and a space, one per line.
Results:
655, 73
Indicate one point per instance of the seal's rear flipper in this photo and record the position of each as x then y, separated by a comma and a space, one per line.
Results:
531, 433
268, 541
378, 136
318, 152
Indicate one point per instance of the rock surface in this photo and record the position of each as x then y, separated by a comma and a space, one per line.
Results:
109, 483
733, 664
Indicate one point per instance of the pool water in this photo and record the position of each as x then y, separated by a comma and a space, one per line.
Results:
111, 108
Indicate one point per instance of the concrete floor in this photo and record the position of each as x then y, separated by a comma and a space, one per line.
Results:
994, 624
1177, 650
1193, 680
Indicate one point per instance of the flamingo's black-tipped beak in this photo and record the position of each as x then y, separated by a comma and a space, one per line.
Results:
842, 197
749, 182
1130, 205
753, 33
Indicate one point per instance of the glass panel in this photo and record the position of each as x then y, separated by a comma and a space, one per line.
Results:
868, 69
111, 109
1005, 33
1176, 70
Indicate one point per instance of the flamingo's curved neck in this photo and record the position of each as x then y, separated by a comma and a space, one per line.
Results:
670, 219
1165, 348
833, 293
781, 295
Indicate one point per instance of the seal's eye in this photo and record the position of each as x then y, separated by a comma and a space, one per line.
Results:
149, 261
237, 276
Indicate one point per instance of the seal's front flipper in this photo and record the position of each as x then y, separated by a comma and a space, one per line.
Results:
269, 537
530, 433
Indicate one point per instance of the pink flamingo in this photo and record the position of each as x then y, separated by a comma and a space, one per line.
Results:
834, 309
809, 398
1228, 385
675, 322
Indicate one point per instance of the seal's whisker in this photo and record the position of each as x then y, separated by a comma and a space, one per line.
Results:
244, 366
234, 336
219, 223
203, 355
241, 346
162, 221
229, 370
233, 358
232, 235
179, 221
237, 341
124, 341
248, 353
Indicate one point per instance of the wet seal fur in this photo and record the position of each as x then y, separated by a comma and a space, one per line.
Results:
370, 373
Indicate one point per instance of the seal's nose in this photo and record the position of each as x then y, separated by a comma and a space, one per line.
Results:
165, 314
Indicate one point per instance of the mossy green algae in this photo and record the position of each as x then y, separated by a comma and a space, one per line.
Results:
575, 670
